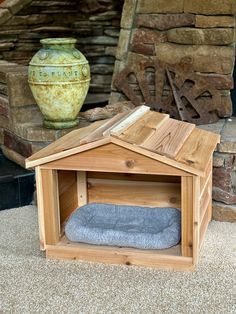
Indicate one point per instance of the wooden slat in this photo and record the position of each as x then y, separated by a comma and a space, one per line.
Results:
203, 226
204, 202
99, 132
82, 188
168, 138
136, 114
197, 149
204, 180
141, 193
167, 259
133, 177
40, 204
187, 215
68, 141
50, 199
143, 128
196, 219
113, 158
66, 153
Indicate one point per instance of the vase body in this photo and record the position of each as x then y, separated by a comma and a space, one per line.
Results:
59, 78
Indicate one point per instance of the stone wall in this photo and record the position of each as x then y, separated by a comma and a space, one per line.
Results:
95, 23
202, 31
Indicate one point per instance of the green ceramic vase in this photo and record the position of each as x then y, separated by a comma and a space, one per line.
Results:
59, 79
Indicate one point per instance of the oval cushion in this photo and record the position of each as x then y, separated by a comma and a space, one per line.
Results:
122, 225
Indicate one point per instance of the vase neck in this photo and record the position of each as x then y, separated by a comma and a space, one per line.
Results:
58, 43
59, 46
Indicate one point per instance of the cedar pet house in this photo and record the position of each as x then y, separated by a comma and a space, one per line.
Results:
137, 158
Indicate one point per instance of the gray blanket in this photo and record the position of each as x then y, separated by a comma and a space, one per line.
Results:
122, 225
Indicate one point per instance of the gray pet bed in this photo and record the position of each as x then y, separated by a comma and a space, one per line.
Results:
128, 226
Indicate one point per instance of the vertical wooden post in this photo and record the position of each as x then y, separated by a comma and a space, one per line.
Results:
40, 208
210, 187
196, 218
187, 215
82, 188
50, 199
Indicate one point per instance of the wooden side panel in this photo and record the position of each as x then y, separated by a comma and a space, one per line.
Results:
113, 158
197, 149
168, 138
151, 194
50, 200
187, 215
68, 200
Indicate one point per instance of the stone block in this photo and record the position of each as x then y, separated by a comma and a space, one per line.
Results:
17, 144
198, 36
160, 6
226, 107
27, 114
1, 136
116, 97
4, 122
4, 106
210, 7
123, 44
35, 132
3, 89
99, 40
128, 13
218, 160
143, 40
216, 127
32, 19
164, 21
219, 81
228, 138
113, 32
4, 15
204, 21
6, 46
222, 212
36, 146
206, 58
18, 89
111, 51
223, 196
104, 16
222, 176
15, 6
6, 68
103, 69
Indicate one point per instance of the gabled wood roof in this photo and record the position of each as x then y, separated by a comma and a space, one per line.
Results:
155, 135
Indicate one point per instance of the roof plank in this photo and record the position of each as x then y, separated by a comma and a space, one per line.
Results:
197, 149
67, 141
168, 138
143, 128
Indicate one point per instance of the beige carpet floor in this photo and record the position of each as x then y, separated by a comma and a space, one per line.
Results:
31, 284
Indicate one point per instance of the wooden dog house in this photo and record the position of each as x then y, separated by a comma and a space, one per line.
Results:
139, 158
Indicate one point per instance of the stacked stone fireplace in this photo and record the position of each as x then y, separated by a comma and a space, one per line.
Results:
196, 34
156, 33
